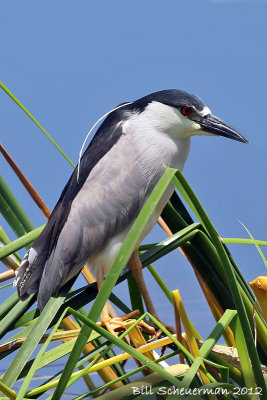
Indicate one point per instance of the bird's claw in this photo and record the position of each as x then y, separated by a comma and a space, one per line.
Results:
119, 323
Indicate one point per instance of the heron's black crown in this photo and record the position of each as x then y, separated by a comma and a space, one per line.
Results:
171, 97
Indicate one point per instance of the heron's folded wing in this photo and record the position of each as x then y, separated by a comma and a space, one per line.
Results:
107, 204
31, 270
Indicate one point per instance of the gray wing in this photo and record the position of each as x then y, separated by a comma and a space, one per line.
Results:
108, 197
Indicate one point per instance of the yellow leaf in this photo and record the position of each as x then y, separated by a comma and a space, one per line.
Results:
259, 287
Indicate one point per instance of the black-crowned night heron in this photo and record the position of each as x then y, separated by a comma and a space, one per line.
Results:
117, 173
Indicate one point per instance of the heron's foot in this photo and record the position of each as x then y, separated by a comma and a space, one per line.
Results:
119, 323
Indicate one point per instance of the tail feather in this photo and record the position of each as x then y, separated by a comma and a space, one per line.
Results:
31, 277
45, 270
29, 274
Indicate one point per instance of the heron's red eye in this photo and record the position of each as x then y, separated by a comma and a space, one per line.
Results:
186, 110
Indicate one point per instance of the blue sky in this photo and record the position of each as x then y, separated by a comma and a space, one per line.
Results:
70, 62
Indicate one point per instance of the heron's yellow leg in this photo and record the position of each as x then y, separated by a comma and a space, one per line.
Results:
137, 273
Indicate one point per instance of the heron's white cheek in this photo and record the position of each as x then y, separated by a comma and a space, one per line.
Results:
191, 128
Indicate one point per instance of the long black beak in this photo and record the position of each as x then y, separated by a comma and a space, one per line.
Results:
212, 124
